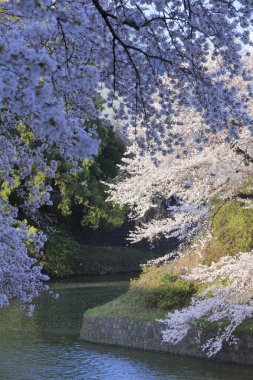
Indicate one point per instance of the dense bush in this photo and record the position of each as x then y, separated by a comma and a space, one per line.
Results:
60, 251
170, 292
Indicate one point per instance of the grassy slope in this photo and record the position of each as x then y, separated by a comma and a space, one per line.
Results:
127, 305
142, 299
232, 228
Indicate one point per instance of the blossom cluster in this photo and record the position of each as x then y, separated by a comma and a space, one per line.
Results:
227, 299
174, 198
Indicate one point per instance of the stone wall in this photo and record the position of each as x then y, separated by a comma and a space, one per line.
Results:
147, 335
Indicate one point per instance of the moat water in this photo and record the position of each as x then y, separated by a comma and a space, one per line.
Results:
46, 346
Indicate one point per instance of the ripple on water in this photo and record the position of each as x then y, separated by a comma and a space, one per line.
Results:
47, 346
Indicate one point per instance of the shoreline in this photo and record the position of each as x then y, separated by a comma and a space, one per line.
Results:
146, 335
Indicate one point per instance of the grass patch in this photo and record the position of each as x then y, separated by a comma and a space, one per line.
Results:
128, 305
232, 228
149, 297
246, 327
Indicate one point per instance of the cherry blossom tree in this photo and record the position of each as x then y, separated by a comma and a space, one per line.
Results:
56, 58
174, 198
173, 195
227, 298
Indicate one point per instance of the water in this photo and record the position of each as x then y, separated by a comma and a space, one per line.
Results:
47, 346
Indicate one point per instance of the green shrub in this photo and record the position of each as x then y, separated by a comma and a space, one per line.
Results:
60, 251
171, 292
232, 228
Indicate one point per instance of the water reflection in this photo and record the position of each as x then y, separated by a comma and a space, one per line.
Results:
47, 346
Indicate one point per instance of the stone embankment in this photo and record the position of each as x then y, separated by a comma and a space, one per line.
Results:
146, 335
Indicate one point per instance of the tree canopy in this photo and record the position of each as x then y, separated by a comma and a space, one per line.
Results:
146, 58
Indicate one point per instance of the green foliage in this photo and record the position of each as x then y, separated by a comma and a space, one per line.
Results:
25, 133
246, 327
83, 194
78, 195
60, 252
232, 228
32, 231
6, 189
172, 291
